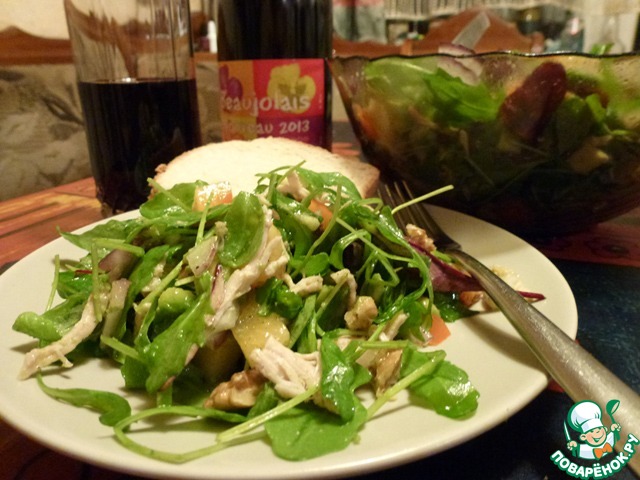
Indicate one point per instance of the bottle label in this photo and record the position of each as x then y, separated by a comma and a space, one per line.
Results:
273, 98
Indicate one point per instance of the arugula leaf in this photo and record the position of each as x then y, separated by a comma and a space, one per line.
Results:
334, 301
573, 122
450, 306
307, 431
55, 322
119, 230
275, 296
180, 410
267, 400
140, 277
134, 373
166, 355
323, 181
245, 223
71, 283
419, 319
448, 390
174, 202
113, 408
397, 79
457, 103
301, 324
295, 232
317, 264
337, 382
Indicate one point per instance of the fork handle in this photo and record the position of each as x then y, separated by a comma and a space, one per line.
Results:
571, 366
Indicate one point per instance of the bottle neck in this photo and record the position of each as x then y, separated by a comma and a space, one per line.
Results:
271, 29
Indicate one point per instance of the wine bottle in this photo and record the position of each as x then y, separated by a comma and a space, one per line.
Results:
274, 77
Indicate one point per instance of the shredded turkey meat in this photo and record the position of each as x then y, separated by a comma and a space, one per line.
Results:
346, 277
291, 373
292, 185
117, 300
270, 261
304, 287
57, 351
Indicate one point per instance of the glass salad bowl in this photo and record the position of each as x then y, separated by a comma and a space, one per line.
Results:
540, 144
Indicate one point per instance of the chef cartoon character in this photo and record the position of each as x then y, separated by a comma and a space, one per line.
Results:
586, 418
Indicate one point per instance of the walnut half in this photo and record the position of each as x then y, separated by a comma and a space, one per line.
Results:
241, 391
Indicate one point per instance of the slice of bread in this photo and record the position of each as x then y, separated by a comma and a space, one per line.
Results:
239, 161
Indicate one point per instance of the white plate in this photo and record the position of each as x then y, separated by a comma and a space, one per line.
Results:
486, 346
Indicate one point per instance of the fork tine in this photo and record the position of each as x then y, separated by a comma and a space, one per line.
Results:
392, 197
418, 213
399, 192
404, 194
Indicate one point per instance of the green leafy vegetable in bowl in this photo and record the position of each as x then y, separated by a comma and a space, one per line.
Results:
265, 314
539, 144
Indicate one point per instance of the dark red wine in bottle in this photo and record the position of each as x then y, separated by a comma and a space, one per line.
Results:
274, 77
132, 127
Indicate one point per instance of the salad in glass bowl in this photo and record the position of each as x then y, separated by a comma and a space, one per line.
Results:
540, 144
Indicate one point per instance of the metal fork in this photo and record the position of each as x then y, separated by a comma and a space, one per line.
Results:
576, 371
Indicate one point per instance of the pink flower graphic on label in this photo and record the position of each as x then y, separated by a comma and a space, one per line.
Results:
230, 85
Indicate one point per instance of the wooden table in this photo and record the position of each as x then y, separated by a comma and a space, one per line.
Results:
601, 265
